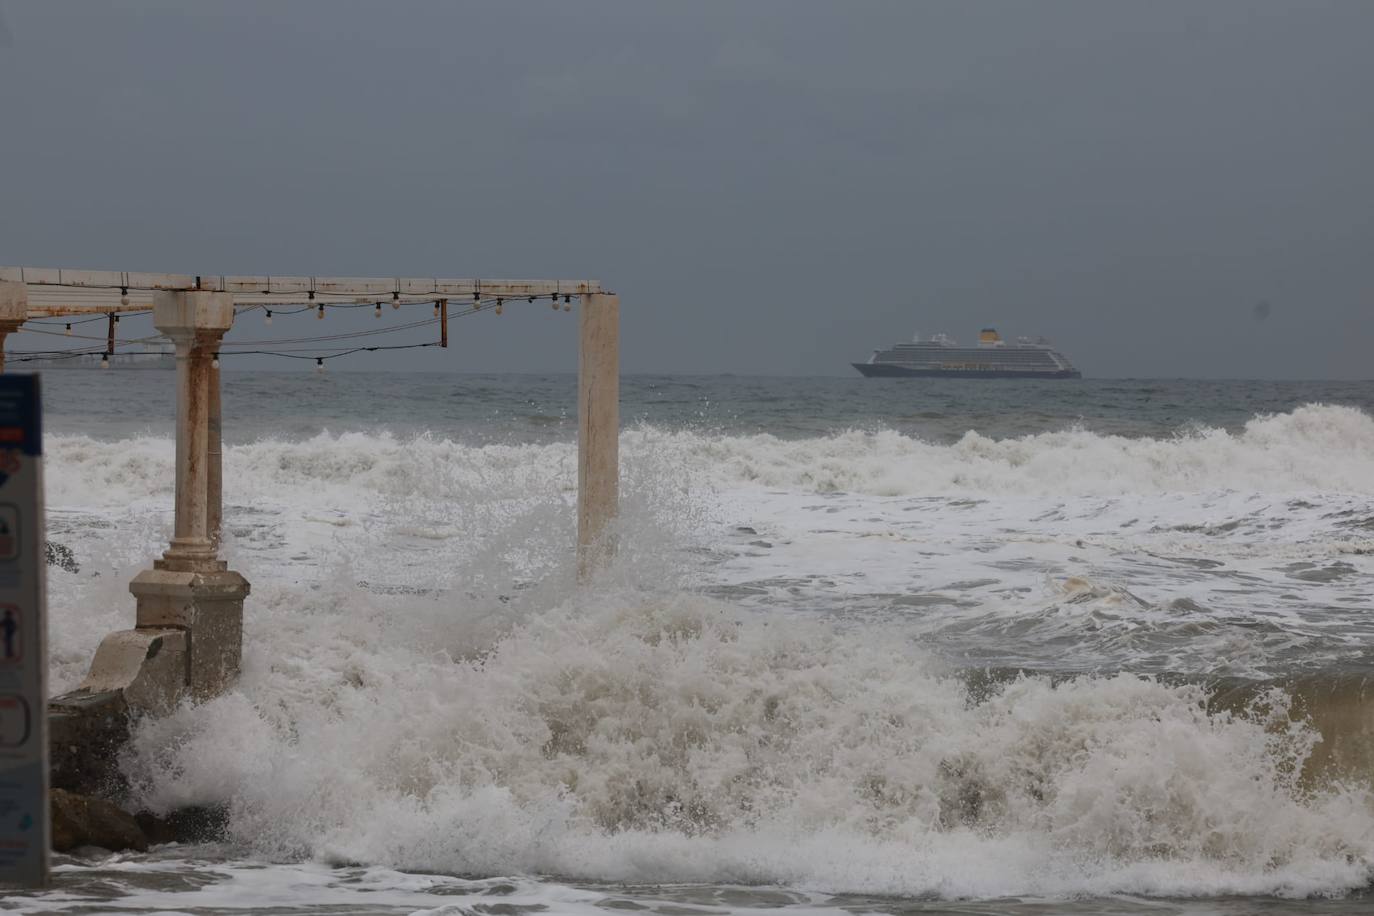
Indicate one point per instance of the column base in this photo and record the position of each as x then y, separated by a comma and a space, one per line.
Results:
184, 564
208, 607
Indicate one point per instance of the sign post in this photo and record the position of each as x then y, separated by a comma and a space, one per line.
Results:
24, 826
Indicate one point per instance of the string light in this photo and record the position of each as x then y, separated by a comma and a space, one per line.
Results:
214, 363
436, 308
319, 313
567, 302
269, 316
105, 360
498, 307
395, 300
69, 329
319, 364
124, 295
377, 312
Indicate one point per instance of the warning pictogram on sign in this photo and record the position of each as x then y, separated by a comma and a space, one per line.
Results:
11, 635
9, 532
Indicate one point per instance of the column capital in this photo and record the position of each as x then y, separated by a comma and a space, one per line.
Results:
193, 316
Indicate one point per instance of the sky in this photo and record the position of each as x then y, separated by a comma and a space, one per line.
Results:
1165, 189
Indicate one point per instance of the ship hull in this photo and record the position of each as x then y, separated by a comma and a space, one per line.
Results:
889, 370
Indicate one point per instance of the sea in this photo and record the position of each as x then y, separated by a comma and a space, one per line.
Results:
867, 646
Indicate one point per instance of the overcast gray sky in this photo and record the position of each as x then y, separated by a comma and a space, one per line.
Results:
772, 187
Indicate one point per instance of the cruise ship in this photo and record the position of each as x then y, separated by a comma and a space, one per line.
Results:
941, 357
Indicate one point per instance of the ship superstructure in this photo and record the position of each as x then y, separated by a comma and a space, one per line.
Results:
940, 357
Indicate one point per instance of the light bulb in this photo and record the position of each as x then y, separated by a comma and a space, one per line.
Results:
554, 304
377, 312
269, 316
395, 303
319, 312
104, 360
498, 310
69, 329
436, 310
319, 364
214, 363
566, 307
124, 295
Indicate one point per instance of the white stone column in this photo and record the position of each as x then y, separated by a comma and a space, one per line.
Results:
191, 549
598, 438
215, 480
189, 591
14, 308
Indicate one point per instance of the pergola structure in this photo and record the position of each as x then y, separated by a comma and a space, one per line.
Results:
187, 640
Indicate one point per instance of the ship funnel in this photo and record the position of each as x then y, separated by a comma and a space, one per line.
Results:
988, 337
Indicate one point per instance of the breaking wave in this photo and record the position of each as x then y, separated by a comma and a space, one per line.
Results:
1323, 448
619, 739
1312, 448
424, 688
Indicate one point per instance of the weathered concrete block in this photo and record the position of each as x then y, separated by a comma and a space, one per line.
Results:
150, 667
190, 312
209, 607
14, 301
81, 821
85, 733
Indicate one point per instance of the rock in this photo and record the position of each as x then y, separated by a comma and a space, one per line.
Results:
61, 556
85, 734
186, 825
78, 820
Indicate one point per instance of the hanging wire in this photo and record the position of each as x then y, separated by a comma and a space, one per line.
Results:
103, 316
316, 353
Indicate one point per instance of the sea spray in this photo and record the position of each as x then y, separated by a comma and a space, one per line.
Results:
622, 737
425, 688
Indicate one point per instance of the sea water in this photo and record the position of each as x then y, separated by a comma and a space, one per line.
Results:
868, 646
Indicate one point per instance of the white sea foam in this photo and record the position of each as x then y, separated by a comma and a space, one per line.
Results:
435, 695
1317, 447
620, 739
1313, 448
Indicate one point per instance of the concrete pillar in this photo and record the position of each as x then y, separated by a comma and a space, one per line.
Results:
189, 589
215, 481
598, 435
14, 308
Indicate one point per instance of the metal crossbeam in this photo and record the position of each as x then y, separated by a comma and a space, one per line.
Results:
54, 292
